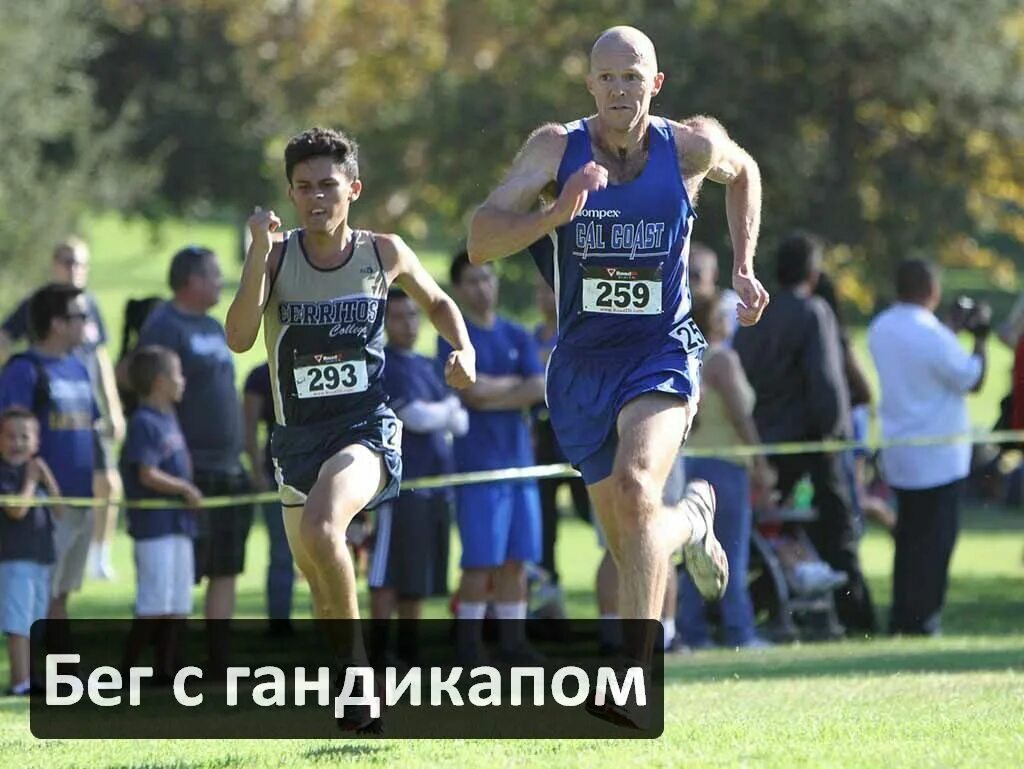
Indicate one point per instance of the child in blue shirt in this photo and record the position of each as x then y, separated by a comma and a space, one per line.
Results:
155, 464
26, 539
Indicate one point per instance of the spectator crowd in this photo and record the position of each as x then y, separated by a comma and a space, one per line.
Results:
168, 422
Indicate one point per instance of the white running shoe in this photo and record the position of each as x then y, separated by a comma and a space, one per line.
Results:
705, 560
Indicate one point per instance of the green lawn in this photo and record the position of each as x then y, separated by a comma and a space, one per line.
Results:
955, 701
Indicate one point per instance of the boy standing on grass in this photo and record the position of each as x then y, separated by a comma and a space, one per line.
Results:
155, 464
26, 540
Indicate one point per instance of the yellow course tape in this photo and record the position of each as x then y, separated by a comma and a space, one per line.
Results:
553, 471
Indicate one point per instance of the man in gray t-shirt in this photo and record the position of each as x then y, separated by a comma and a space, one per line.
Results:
210, 417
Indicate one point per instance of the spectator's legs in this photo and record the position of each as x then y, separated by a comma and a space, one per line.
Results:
926, 530
18, 654
548, 489
510, 604
220, 598
790, 468
474, 591
732, 526
383, 601
106, 484
948, 522
58, 607
834, 534
281, 569
409, 612
580, 499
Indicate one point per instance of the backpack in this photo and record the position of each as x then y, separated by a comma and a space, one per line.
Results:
41, 391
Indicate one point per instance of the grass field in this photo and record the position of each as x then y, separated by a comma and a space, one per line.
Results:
956, 701
949, 702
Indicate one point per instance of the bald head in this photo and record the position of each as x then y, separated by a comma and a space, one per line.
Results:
624, 40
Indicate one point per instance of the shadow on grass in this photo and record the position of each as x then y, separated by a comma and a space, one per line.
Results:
345, 751
850, 660
205, 763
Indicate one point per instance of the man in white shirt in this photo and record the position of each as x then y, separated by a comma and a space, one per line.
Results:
925, 376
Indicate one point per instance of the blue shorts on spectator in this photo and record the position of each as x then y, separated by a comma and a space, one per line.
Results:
24, 595
498, 522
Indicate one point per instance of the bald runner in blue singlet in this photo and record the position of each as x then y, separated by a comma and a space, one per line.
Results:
613, 195
620, 273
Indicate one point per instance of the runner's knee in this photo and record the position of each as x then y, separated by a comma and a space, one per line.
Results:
320, 536
637, 498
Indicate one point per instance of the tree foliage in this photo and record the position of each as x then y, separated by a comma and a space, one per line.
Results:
893, 127
59, 154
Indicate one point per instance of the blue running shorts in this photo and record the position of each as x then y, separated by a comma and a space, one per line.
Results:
587, 390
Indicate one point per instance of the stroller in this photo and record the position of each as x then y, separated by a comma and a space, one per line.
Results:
790, 586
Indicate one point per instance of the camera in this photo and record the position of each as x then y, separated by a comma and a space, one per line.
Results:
972, 316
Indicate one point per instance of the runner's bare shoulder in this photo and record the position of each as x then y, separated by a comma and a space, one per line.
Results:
534, 169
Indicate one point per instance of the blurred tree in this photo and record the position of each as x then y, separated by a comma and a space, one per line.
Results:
58, 159
894, 127
200, 125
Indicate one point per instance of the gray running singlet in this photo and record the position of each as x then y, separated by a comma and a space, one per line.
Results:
324, 332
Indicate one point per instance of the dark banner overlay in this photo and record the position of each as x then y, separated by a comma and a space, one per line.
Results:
151, 679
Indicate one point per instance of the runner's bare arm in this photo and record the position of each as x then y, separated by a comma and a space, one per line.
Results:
242, 324
708, 152
404, 269
507, 222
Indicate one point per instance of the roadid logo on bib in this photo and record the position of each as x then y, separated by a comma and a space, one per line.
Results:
322, 375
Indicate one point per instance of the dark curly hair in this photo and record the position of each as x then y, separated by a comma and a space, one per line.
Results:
321, 142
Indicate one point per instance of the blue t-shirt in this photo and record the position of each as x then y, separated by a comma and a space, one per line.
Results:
29, 538
497, 439
67, 439
410, 377
258, 383
155, 440
209, 413
94, 333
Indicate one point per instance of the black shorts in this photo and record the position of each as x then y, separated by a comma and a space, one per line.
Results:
223, 531
299, 451
410, 553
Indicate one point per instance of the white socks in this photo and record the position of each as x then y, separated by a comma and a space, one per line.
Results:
512, 624
471, 610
